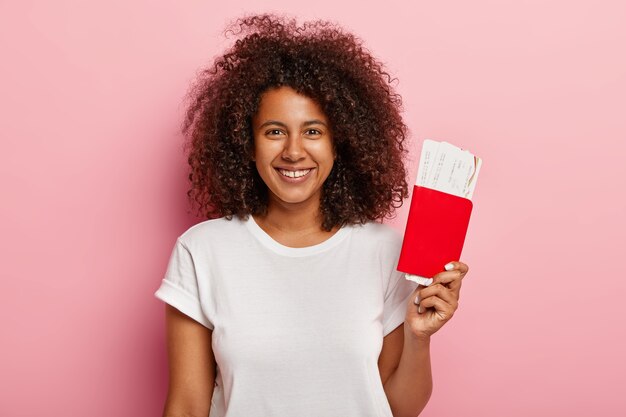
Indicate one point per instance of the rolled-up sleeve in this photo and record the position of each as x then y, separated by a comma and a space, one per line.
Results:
179, 287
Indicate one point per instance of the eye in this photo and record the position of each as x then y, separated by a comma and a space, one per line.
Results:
313, 132
273, 132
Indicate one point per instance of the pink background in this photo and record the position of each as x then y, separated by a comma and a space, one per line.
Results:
94, 182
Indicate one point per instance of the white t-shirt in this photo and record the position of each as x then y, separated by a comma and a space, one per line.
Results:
297, 332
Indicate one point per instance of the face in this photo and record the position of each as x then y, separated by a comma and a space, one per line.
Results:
293, 146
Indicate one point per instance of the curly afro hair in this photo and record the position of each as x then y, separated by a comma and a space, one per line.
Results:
323, 62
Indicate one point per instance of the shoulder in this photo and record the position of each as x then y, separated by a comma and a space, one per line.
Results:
380, 233
213, 230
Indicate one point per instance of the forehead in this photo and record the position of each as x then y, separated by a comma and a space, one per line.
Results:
286, 104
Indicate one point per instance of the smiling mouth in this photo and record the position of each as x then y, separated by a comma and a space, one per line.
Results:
293, 174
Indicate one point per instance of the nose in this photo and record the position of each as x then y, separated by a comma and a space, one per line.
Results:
294, 149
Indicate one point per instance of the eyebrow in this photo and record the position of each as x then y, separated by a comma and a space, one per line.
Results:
307, 123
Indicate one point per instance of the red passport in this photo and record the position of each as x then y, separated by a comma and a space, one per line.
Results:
435, 231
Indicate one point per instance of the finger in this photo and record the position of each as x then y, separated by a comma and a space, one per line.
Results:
444, 310
457, 265
451, 279
439, 290
415, 296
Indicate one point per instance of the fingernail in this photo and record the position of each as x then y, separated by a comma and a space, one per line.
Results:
417, 299
419, 309
449, 266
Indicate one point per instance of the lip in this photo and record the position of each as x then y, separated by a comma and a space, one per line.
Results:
294, 180
292, 168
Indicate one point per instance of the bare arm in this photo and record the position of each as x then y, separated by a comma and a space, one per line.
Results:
191, 366
405, 372
410, 386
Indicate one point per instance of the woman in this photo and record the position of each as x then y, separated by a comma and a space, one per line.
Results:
287, 301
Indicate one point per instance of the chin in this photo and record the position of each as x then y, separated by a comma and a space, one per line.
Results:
294, 199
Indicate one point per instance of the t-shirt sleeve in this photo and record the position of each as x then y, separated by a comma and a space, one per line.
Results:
396, 298
179, 287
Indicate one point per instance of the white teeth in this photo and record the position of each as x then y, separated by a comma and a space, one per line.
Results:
294, 174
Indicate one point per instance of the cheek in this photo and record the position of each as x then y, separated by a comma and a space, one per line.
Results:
262, 170
328, 160
323, 152
262, 166
266, 150
260, 155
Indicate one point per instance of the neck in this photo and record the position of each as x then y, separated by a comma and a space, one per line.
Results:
295, 225
292, 218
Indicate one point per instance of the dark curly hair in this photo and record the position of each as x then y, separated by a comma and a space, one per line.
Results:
317, 59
